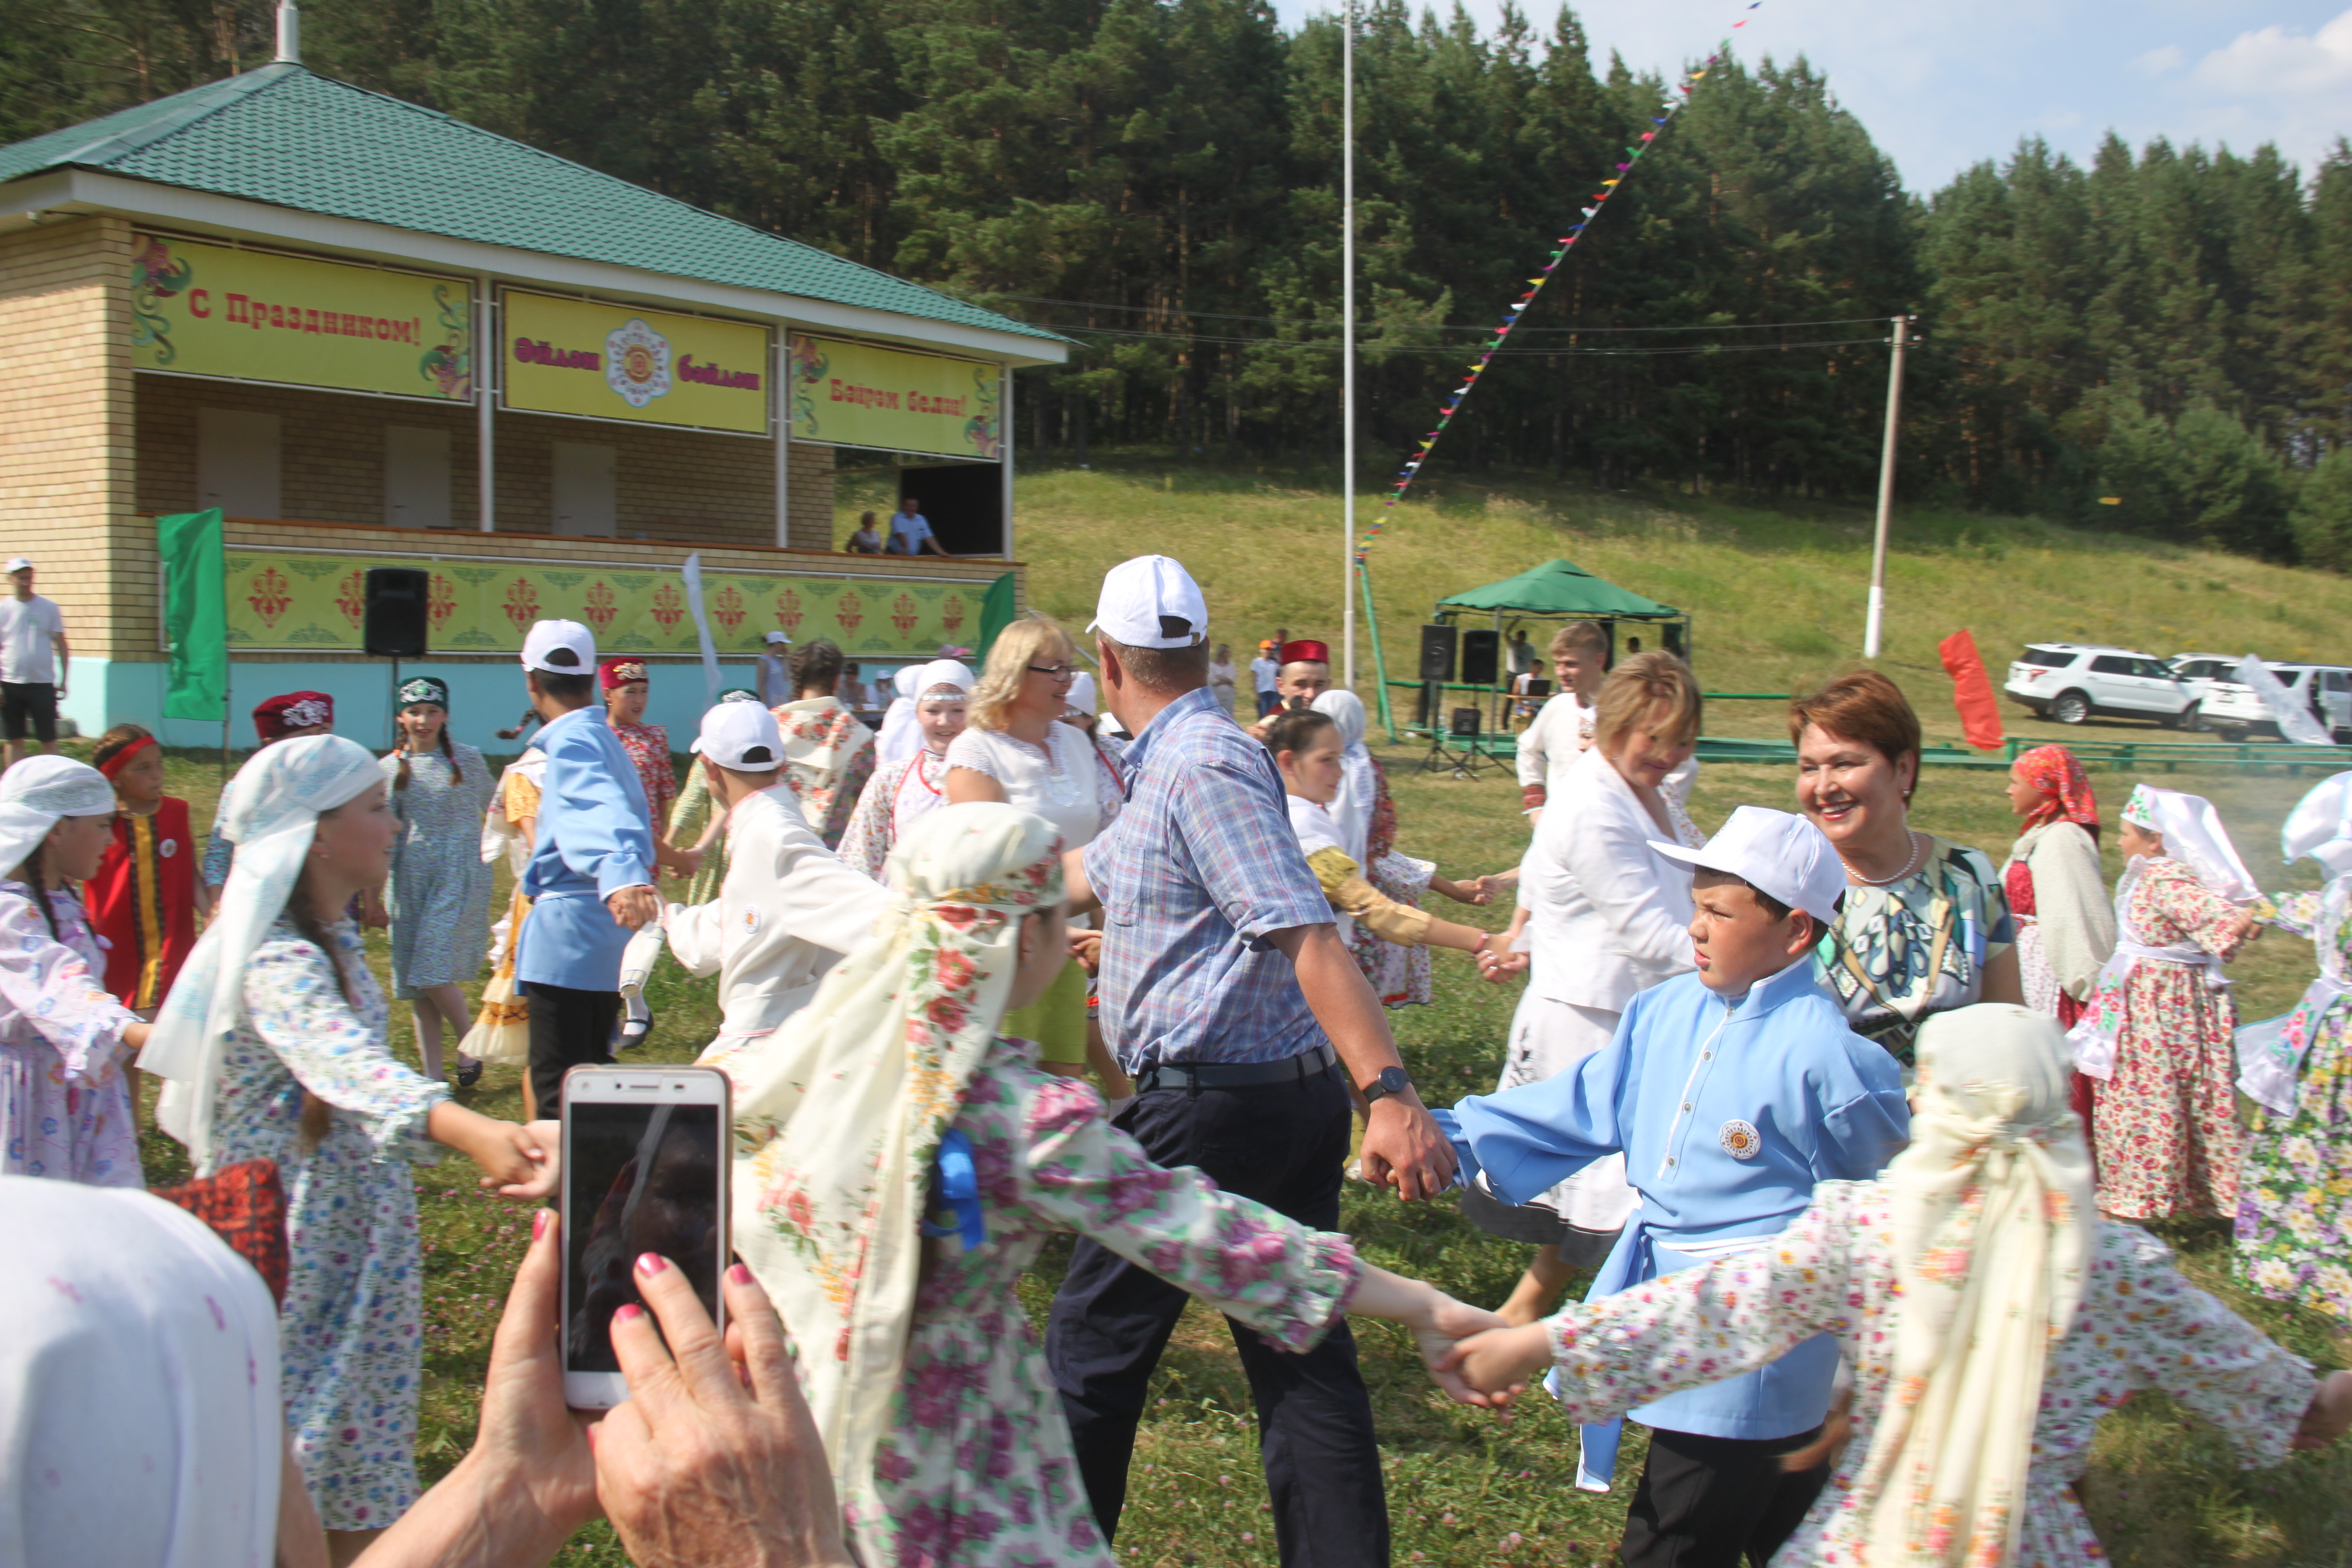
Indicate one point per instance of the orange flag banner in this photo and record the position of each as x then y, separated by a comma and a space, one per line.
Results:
1972, 691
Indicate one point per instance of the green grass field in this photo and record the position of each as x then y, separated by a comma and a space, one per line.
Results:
1778, 599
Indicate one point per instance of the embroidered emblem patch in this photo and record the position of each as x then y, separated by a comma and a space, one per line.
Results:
1741, 1140
169, 848
752, 921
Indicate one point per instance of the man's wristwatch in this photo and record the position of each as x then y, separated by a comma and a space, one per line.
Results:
1392, 1080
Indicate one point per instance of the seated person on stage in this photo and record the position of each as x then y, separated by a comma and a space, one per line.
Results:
1731, 1091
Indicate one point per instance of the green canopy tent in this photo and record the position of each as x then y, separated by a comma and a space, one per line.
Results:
1555, 590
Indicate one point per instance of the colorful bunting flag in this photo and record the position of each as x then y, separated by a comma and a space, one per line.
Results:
1634, 153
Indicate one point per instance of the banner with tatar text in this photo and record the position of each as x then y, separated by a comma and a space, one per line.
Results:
601, 360
260, 315
856, 394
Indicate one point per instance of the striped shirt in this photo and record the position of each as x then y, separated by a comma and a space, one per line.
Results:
1195, 874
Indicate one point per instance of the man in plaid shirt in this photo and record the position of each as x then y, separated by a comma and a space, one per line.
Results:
1252, 1037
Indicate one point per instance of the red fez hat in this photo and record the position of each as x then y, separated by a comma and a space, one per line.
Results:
618, 672
274, 718
1306, 650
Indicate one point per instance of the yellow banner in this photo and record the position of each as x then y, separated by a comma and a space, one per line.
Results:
281, 601
855, 394
254, 315
641, 367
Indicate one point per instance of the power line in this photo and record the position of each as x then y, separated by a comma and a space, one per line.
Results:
1445, 326
1455, 349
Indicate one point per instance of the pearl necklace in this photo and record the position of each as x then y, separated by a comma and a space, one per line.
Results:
1917, 852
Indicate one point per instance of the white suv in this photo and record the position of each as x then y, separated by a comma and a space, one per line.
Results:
2325, 688
2069, 682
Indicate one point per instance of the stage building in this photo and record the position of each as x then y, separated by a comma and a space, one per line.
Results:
376, 336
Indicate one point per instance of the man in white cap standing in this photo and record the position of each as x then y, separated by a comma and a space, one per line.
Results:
591, 876
788, 909
1252, 1036
1731, 1091
32, 662
775, 680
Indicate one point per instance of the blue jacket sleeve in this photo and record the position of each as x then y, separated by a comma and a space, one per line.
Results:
603, 834
1868, 1120
1530, 1139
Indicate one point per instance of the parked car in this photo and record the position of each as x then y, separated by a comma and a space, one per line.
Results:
2069, 682
2325, 688
2200, 672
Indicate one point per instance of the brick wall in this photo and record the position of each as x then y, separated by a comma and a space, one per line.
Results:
66, 419
674, 486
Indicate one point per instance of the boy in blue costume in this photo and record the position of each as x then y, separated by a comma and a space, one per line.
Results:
1731, 1091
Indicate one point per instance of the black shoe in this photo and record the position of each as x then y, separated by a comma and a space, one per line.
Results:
469, 1072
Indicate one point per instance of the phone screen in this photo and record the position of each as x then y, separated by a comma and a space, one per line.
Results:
638, 1178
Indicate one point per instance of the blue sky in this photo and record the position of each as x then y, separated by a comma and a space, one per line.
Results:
1943, 83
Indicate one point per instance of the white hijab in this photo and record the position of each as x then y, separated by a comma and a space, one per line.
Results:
1993, 1225
901, 736
143, 1427
2320, 825
2193, 834
271, 814
844, 1106
40, 792
1351, 808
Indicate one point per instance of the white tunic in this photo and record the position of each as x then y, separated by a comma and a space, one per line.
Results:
1074, 787
785, 914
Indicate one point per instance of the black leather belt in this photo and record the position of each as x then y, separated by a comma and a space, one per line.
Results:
1198, 1076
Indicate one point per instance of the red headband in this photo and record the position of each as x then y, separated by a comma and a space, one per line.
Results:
121, 759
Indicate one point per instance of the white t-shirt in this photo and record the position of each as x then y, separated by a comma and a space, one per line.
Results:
1074, 790
26, 654
1267, 671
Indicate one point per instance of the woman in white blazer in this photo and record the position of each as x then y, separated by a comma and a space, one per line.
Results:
1602, 917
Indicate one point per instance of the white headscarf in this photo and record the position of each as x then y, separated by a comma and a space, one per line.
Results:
844, 1106
143, 1427
2193, 834
900, 737
2320, 825
271, 814
37, 794
1351, 808
1993, 1227
1082, 692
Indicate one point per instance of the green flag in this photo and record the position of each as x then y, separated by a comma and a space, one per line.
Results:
196, 614
996, 613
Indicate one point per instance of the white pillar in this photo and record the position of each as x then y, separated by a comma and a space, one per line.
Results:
1004, 450
1875, 618
1348, 347
486, 356
778, 388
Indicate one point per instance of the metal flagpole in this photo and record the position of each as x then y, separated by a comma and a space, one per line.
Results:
1872, 626
1348, 344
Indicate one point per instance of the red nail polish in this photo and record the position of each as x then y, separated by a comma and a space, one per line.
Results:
628, 1311
739, 1274
651, 1263
539, 1224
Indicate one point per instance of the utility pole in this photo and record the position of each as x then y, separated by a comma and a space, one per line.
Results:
1348, 345
1876, 620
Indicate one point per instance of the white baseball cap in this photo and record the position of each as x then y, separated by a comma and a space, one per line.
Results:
19, 563
740, 735
559, 647
776, 637
1151, 601
1776, 853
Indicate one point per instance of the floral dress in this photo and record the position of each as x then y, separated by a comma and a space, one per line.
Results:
1398, 974
2295, 1192
648, 747
2140, 1325
1917, 946
903, 789
439, 896
978, 1467
2165, 1125
828, 757
65, 1107
351, 1352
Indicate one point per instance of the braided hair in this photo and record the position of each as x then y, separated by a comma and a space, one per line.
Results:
456, 774
117, 741
817, 665
30, 872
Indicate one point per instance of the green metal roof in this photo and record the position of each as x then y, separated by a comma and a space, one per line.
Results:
292, 138
1558, 588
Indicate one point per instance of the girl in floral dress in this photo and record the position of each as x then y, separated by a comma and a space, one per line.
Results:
2294, 1194
900, 791
65, 1107
1988, 1316
274, 1040
891, 1094
627, 683
2158, 1032
828, 754
2057, 893
439, 895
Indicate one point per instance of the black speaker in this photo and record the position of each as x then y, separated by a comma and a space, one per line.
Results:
1437, 653
1466, 721
395, 621
1481, 655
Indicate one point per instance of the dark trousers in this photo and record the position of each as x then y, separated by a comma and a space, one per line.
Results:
568, 1027
1267, 701
1285, 1145
1712, 1502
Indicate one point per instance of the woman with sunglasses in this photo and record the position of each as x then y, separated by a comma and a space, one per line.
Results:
1016, 750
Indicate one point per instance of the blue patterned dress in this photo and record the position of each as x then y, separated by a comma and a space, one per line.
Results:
351, 1328
63, 1109
439, 896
